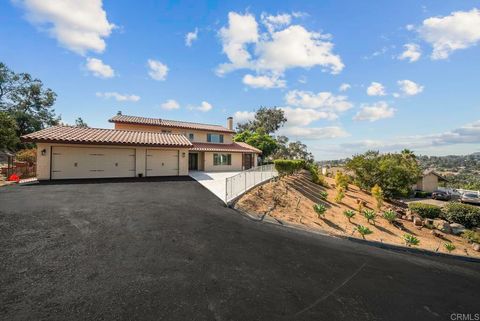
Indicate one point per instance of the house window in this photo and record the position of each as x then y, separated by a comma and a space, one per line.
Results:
214, 138
191, 136
222, 159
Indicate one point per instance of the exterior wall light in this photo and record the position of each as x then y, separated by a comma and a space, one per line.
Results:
44, 152
183, 155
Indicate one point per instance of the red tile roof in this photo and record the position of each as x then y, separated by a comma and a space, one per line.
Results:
124, 119
234, 147
79, 135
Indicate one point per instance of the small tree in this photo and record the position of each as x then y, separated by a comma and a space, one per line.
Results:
361, 204
340, 194
449, 247
349, 214
390, 216
27, 155
410, 240
341, 180
320, 209
377, 193
363, 230
370, 216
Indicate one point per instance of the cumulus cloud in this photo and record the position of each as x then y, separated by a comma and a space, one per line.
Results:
204, 107
99, 69
157, 70
412, 52
312, 133
191, 37
243, 116
375, 112
170, 104
263, 81
376, 89
304, 117
79, 26
409, 88
281, 47
118, 96
459, 30
344, 87
321, 100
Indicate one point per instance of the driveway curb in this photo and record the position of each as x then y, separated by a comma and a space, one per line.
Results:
267, 219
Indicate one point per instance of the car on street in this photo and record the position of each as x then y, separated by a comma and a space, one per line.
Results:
471, 198
441, 195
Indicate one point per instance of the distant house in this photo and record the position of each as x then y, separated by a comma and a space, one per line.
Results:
429, 181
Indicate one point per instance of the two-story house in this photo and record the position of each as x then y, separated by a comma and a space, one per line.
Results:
139, 147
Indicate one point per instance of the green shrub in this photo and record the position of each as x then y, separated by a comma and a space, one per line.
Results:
449, 247
410, 240
349, 214
377, 193
320, 209
340, 194
370, 216
288, 166
323, 194
425, 210
341, 180
317, 178
471, 236
467, 215
363, 230
390, 216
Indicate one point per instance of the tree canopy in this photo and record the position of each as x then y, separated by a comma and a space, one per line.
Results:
79, 122
25, 100
269, 120
395, 173
262, 141
8, 134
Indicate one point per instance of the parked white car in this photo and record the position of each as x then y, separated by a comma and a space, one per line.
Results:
471, 198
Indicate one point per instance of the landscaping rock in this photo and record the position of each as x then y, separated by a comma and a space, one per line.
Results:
428, 221
437, 234
476, 247
410, 217
443, 226
417, 221
457, 229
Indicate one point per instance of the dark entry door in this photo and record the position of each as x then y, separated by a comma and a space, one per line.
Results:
193, 162
247, 161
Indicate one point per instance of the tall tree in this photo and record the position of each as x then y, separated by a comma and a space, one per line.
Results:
292, 150
8, 135
79, 122
267, 119
26, 101
260, 140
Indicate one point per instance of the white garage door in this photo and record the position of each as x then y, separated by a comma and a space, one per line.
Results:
162, 162
92, 162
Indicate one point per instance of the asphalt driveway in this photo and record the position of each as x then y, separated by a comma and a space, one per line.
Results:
170, 250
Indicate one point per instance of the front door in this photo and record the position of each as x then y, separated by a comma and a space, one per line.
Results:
247, 161
192, 162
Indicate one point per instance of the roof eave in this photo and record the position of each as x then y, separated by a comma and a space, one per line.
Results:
57, 141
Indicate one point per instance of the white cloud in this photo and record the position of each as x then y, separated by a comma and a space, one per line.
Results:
191, 37
375, 112
376, 89
243, 116
281, 47
321, 100
204, 107
344, 87
79, 26
118, 97
275, 22
304, 117
263, 81
157, 70
311, 133
409, 88
99, 69
412, 52
459, 30
170, 104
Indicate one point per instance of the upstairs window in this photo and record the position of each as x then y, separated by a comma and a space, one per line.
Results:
214, 138
191, 137
222, 159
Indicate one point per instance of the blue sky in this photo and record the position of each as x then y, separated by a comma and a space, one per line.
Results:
410, 69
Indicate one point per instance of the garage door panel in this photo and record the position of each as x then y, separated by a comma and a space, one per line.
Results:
162, 162
90, 162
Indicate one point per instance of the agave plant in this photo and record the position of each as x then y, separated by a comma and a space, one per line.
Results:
363, 230
449, 247
370, 216
349, 214
410, 240
390, 216
323, 194
320, 209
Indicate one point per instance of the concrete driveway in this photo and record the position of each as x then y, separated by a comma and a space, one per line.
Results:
213, 181
170, 250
